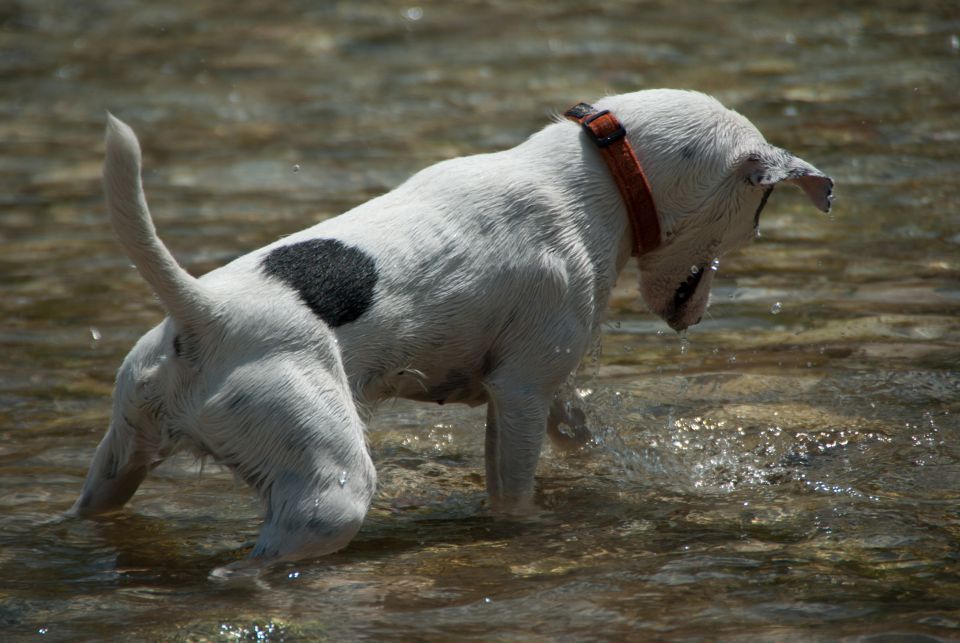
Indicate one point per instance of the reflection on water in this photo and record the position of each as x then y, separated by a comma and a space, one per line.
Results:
790, 470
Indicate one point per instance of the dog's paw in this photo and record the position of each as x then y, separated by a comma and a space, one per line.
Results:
241, 572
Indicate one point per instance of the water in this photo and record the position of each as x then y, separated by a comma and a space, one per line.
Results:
789, 471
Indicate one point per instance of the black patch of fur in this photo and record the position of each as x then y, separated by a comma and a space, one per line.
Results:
335, 280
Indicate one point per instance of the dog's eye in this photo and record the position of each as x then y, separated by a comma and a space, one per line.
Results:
763, 202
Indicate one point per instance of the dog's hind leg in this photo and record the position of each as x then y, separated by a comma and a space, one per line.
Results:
120, 464
287, 425
310, 517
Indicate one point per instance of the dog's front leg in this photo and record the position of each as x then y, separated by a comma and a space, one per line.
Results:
567, 425
516, 424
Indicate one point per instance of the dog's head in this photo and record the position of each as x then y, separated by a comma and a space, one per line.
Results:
711, 173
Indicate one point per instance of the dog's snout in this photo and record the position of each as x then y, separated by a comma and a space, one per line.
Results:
678, 323
684, 307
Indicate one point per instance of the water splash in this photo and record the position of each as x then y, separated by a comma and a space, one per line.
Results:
776, 308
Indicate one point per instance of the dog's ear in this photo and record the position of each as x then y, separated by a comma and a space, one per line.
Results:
773, 165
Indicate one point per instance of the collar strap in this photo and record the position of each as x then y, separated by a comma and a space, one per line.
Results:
610, 137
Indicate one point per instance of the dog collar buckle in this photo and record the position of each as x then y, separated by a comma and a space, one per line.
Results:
601, 133
609, 135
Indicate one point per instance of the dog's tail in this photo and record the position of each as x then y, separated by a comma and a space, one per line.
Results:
179, 292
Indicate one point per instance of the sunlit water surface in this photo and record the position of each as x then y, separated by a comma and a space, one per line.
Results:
791, 470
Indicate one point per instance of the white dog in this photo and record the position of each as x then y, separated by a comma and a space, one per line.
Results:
480, 280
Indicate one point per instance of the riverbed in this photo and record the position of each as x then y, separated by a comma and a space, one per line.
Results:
790, 470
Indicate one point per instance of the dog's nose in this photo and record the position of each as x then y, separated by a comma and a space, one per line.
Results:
679, 324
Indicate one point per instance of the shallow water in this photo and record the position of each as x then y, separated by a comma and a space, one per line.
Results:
791, 471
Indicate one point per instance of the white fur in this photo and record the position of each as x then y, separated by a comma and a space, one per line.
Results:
494, 273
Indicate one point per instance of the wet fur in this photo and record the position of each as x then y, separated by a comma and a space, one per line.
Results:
480, 280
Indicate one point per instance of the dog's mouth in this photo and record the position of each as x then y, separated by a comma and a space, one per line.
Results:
683, 294
683, 305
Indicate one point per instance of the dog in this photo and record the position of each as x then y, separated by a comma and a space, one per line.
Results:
480, 280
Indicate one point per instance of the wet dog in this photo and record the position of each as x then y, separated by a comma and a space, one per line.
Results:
480, 280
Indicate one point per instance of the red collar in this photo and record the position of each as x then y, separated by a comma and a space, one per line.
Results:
607, 132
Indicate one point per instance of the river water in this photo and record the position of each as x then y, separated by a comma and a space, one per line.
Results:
789, 471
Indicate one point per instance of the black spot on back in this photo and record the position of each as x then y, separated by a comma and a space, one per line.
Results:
335, 280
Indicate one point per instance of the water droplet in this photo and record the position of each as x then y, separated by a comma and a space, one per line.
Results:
42, 631
293, 575
413, 13
715, 264
776, 308
296, 168
684, 342
95, 334
732, 359
694, 270
343, 478
955, 42
487, 600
